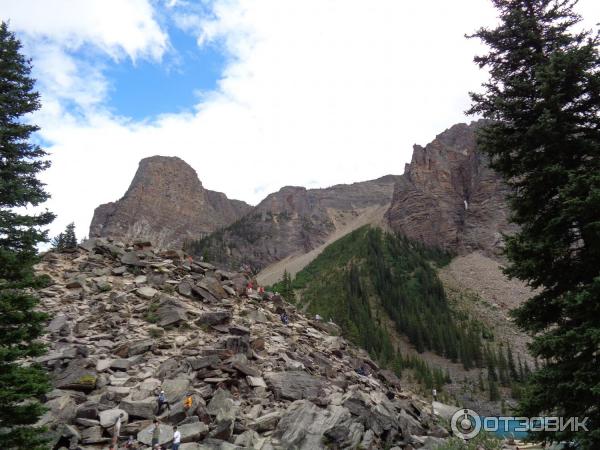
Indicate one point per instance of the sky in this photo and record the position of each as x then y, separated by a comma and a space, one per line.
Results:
253, 94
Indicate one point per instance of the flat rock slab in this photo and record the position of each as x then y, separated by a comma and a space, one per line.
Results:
175, 389
204, 362
166, 434
109, 416
146, 292
295, 385
143, 409
77, 377
213, 318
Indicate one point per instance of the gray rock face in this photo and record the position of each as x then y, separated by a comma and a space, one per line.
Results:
76, 376
293, 220
304, 424
109, 416
144, 409
295, 385
166, 434
166, 204
448, 196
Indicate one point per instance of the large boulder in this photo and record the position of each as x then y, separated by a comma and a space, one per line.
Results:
304, 424
222, 405
60, 410
79, 375
109, 416
166, 434
143, 409
213, 318
193, 432
175, 389
295, 385
170, 312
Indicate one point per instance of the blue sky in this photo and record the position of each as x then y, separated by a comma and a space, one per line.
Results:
143, 89
253, 94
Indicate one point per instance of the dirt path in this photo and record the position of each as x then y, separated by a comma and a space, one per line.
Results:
345, 222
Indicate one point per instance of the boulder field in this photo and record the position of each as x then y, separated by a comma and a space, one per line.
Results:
129, 321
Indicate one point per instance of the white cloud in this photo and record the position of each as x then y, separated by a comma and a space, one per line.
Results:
118, 27
314, 93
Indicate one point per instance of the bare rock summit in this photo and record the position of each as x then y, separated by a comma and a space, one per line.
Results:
448, 196
166, 204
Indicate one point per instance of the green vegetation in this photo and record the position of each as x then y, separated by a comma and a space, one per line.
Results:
20, 324
67, 240
368, 268
543, 97
151, 315
369, 274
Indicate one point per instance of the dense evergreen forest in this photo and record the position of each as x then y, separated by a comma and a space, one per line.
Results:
369, 274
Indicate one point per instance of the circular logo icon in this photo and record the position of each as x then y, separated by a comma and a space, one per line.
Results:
465, 423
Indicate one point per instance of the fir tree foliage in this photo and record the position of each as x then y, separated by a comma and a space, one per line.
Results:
20, 324
543, 102
67, 240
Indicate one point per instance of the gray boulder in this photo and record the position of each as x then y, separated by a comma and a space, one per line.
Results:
109, 416
143, 409
304, 424
295, 385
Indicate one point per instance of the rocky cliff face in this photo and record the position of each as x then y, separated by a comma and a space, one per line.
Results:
166, 204
129, 322
449, 197
291, 221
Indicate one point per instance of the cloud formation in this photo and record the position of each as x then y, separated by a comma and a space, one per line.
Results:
313, 93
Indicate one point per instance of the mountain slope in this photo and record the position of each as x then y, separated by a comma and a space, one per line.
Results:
129, 322
293, 221
386, 294
166, 204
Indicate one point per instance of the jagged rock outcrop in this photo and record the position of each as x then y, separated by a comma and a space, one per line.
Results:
255, 382
293, 220
166, 204
449, 197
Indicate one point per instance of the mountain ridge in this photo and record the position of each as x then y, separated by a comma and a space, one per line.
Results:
166, 204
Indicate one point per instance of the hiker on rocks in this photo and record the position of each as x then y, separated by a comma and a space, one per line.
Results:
176, 438
249, 288
284, 318
361, 371
162, 401
187, 404
117, 430
155, 434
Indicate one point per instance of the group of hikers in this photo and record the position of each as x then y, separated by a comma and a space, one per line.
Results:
162, 404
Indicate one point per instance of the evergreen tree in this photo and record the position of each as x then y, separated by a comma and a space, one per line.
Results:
20, 324
543, 100
70, 238
58, 242
67, 240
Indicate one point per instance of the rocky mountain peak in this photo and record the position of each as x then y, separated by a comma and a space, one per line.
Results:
449, 197
166, 204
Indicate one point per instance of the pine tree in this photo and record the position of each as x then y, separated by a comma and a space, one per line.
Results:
543, 100
70, 238
58, 242
20, 324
